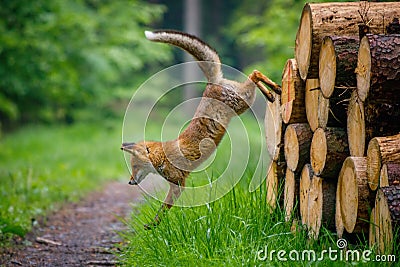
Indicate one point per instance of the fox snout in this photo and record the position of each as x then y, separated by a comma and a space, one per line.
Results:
132, 182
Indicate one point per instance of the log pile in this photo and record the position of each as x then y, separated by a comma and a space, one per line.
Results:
333, 133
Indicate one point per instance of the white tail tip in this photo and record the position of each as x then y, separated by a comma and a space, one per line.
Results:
149, 35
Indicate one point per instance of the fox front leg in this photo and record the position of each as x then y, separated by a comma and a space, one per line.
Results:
259, 79
174, 192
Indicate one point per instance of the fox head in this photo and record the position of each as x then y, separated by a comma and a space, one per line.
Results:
140, 162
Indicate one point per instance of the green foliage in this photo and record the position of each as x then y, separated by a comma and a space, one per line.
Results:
267, 33
59, 55
41, 167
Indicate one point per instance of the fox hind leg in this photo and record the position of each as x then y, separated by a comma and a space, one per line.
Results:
259, 79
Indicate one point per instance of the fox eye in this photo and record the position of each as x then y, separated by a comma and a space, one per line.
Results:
147, 149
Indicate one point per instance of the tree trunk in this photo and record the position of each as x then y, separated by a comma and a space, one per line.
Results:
321, 205
381, 150
340, 19
192, 25
274, 128
387, 214
337, 62
305, 183
328, 151
378, 71
292, 97
317, 106
291, 194
389, 175
297, 143
356, 126
354, 194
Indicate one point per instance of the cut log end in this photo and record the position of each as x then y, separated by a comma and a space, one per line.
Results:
272, 184
292, 97
363, 70
328, 151
321, 205
383, 176
318, 151
353, 192
315, 207
297, 142
381, 150
348, 195
373, 164
304, 42
317, 106
327, 67
289, 194
385, 212
356, 126
383, 223
291, 147
338, 215
305, 182
288, 90
273, 128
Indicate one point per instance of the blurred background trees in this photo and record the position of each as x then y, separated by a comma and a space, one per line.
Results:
61, 57
58, 56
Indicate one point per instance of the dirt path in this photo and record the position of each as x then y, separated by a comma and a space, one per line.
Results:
81, 234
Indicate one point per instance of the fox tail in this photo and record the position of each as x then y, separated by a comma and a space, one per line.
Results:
208, 58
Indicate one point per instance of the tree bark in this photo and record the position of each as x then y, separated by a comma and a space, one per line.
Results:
340, 19
354, 194
387, 217
381, 119
297, 141
378, 71
389, 175
337, 62
356, 126
321, 205
378, 83
317, 106
381, 150
328, 151
305, 183
293, 94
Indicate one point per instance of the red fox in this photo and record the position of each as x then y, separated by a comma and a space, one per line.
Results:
221, 100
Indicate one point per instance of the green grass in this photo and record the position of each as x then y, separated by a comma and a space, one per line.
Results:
228, 232
44, 166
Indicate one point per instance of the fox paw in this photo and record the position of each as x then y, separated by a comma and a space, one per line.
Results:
150, 226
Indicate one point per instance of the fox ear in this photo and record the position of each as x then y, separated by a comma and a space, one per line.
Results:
128, 147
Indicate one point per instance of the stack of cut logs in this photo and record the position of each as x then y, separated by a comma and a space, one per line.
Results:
333, 133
